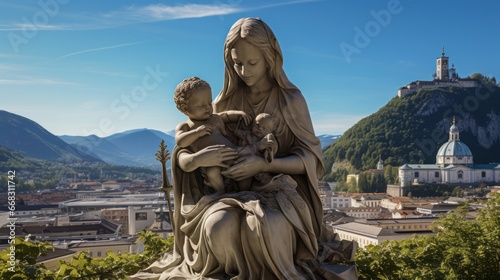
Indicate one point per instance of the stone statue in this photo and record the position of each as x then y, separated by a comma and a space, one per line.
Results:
193, 97
275, 229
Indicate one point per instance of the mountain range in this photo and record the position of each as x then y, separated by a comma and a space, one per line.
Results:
31, 139
135, 147
327, 139
132, 148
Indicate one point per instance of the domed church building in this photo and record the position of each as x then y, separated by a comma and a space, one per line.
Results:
454, 164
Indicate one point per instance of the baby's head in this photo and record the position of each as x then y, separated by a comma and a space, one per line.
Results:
193, 97
264, 124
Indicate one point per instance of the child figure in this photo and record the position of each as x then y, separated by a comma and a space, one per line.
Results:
193, 97
259, 139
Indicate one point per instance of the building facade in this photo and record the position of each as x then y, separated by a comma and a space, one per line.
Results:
454, 164
444, 77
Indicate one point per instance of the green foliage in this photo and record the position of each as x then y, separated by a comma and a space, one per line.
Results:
111, 267
485, 80
460, 249
411, 129
82, 266
339, 175
24, 257
458, 192
430, 190
391, 174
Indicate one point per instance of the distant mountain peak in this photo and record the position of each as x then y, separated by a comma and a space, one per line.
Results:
26, 136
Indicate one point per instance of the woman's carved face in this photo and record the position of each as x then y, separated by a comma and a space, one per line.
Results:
249, 63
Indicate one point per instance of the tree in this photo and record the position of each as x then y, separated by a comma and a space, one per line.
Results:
460, 249
363, 184
82, 266
23, 255
457, 192
378, 183
485, 80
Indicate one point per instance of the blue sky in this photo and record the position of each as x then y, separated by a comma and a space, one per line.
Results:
101, 67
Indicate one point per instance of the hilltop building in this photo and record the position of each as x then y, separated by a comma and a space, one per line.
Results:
454, 164
444, 77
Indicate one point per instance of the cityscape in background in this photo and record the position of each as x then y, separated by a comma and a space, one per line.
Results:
402, 96
98, 211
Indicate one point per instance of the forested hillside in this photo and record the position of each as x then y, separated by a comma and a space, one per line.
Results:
411, 129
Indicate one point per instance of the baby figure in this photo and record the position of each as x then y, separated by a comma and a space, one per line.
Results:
259, 140
193, 97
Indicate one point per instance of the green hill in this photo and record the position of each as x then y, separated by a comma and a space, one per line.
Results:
32, 140
412, 129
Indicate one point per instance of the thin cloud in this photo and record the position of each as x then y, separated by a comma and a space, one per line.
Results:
31, 81
161, 12
11, 67
115, 74
142, 14
285, 4
100, 49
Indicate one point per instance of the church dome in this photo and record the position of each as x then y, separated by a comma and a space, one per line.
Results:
454, 148
454, 151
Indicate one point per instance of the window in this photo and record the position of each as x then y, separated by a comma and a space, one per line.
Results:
436, 174
99, 253
417, 174
483, 174
142, 216
460, 174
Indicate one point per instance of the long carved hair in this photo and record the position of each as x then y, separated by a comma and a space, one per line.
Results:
256, 32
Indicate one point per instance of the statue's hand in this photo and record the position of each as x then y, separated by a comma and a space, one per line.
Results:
247, 119
267, 142
245, 167
203, 130
215, 155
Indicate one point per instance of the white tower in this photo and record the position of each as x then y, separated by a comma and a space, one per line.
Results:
380, 165
442, 69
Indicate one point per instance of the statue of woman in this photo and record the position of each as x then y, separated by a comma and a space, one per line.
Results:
274, 231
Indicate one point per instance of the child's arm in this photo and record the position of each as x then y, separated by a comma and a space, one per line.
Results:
185, 137
268, 141
234, 116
